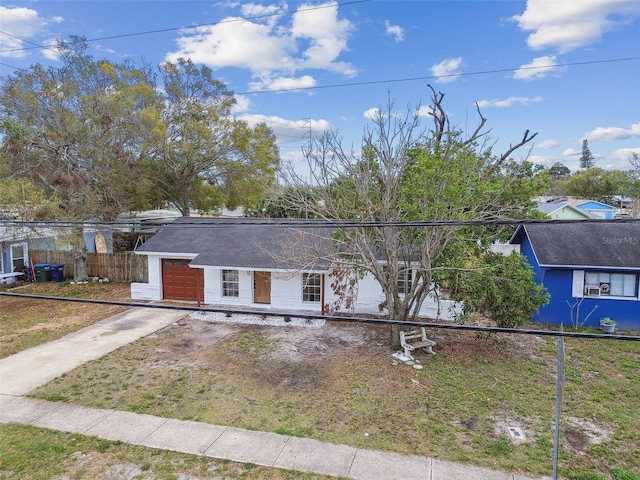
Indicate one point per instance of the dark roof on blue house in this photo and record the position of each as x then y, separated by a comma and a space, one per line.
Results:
243, 243
583, 244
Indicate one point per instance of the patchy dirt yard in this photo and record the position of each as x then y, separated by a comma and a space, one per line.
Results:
337, 382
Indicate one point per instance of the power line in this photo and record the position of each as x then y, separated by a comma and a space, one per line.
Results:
436, 77
207, 222
11, 66
184, 27
28, 41
334, 318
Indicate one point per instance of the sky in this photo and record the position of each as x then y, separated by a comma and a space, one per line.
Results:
568, 70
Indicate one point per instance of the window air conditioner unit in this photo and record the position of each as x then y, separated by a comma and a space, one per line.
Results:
592, 291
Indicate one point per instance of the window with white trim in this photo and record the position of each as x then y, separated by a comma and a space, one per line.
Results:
311, 287
18, 257
603, 284
230, 283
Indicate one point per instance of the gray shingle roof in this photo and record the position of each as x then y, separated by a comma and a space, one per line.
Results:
581, 244
241, 243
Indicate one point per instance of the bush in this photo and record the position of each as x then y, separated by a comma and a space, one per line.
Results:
501, 287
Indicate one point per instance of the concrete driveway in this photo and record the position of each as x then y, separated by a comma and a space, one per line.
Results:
28, 369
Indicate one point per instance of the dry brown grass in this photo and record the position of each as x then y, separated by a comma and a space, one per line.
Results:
26, 323
338, 383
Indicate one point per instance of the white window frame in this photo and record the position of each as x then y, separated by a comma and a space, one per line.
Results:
309, 296
25, 254
598, 284
230, 288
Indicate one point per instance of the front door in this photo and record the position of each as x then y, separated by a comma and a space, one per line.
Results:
262, 287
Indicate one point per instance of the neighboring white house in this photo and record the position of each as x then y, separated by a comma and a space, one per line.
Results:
247, 263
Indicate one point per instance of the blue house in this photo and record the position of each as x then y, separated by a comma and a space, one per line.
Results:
595, 264
594, 209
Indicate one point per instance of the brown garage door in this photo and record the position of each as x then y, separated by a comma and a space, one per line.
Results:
179, 282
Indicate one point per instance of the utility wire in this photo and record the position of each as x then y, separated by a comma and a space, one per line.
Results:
336, 85
185, 27
45, 47
334, 318
207, 222
436, 77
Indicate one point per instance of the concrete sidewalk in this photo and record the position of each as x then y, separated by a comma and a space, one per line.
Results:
31, 368
261, 448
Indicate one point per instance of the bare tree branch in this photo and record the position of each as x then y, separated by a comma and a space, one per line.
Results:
526, 138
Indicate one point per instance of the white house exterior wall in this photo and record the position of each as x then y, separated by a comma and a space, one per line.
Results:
153, 289
286, 293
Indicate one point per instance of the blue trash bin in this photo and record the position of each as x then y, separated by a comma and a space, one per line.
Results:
57, 273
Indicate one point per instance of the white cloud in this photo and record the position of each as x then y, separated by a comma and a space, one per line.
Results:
395, 31
608, 134
570, 152
57, 19
372, 113
568, 25
20, 22
283, 83
507, 102
326, 34
51, 53
270, 48
623, 155
537, 69
263, 13
447, 70
423, 111
288, 131
243, 104
225, 45
549, 143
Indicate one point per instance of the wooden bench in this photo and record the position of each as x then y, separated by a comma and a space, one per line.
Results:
416, 339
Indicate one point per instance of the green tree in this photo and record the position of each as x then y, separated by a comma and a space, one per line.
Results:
405, 173
595, 184
24, 201
78, 132
207, 158
511, 277
283, 202
559, 171
587, 160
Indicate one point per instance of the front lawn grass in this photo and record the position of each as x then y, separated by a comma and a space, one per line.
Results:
31, 453
458, 407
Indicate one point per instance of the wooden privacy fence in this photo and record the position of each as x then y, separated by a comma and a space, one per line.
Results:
117, 267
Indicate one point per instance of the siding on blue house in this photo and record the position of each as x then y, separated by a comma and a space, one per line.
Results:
564, 258
596, 209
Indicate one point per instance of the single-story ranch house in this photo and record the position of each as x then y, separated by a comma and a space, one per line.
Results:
250, 263
597, 264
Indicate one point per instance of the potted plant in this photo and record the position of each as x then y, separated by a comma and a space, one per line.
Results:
607, 325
